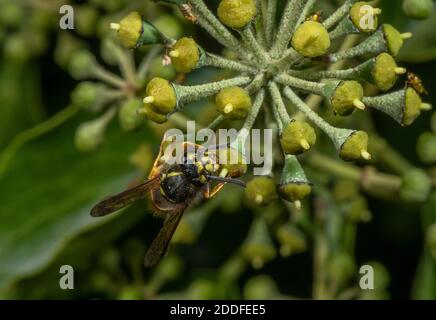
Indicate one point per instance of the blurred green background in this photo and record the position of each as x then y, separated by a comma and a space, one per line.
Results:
47, 186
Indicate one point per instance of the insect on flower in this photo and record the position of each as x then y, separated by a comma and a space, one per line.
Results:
317, 16
172, 188
186, 11
416, 83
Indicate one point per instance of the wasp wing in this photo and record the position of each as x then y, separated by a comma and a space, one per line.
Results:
121, 200
160, 244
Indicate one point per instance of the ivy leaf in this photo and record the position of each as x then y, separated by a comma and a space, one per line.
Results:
47, 192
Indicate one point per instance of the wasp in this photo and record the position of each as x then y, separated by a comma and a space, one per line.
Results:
172, 187
317, 17
416, 83
186, 10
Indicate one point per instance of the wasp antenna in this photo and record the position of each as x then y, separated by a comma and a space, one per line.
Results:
227, 180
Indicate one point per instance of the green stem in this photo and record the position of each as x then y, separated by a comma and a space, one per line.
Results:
270, 20
278, 101
250, 41
33, 133
216, 61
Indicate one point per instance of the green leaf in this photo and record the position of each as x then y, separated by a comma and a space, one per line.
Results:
47, 192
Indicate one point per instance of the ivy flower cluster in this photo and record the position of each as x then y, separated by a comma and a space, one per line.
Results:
278, 62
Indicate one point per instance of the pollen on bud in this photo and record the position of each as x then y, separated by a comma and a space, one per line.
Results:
394, 39
161, 96
261, 190
355, 147
311, 39
185, 55
236, 13
386, 71
233, 103
297, 137
347, 97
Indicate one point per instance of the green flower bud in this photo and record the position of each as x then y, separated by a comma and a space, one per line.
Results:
82, 64
361, 20
394, 39
108, 50
232, 162
261, 190
430, 237
160, 94
236, 13
416, 186
157, 69
345, 97
185, 55
345, 190
128, 115
130, 293
341, 268
16, 49
357, 210
66, 47
426, 147
134, 32
403, 106
87, 95
11, 13
294, 185
85, 20
418, 9
261, 287
385, 72
90, 135
355, 147
233, 103
148, 111
258, 247
297, 137
291, 240
169, 268
202, 289
169, 25
311, 39
190, 227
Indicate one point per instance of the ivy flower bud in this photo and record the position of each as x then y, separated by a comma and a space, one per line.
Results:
261, 190
90, 135
133, 31
86, 94
426, 147
341, 267
232, 162
345, 96
185, 55
291, 240
236, 13
385, 72
261, 287
258, 247
82, 64
418, 9
416, 186
233, 103
403, 106
294, 186
128, 115
311, 39
297, 137
362, 19
394, 39
161, 96
148, 111
355, 147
